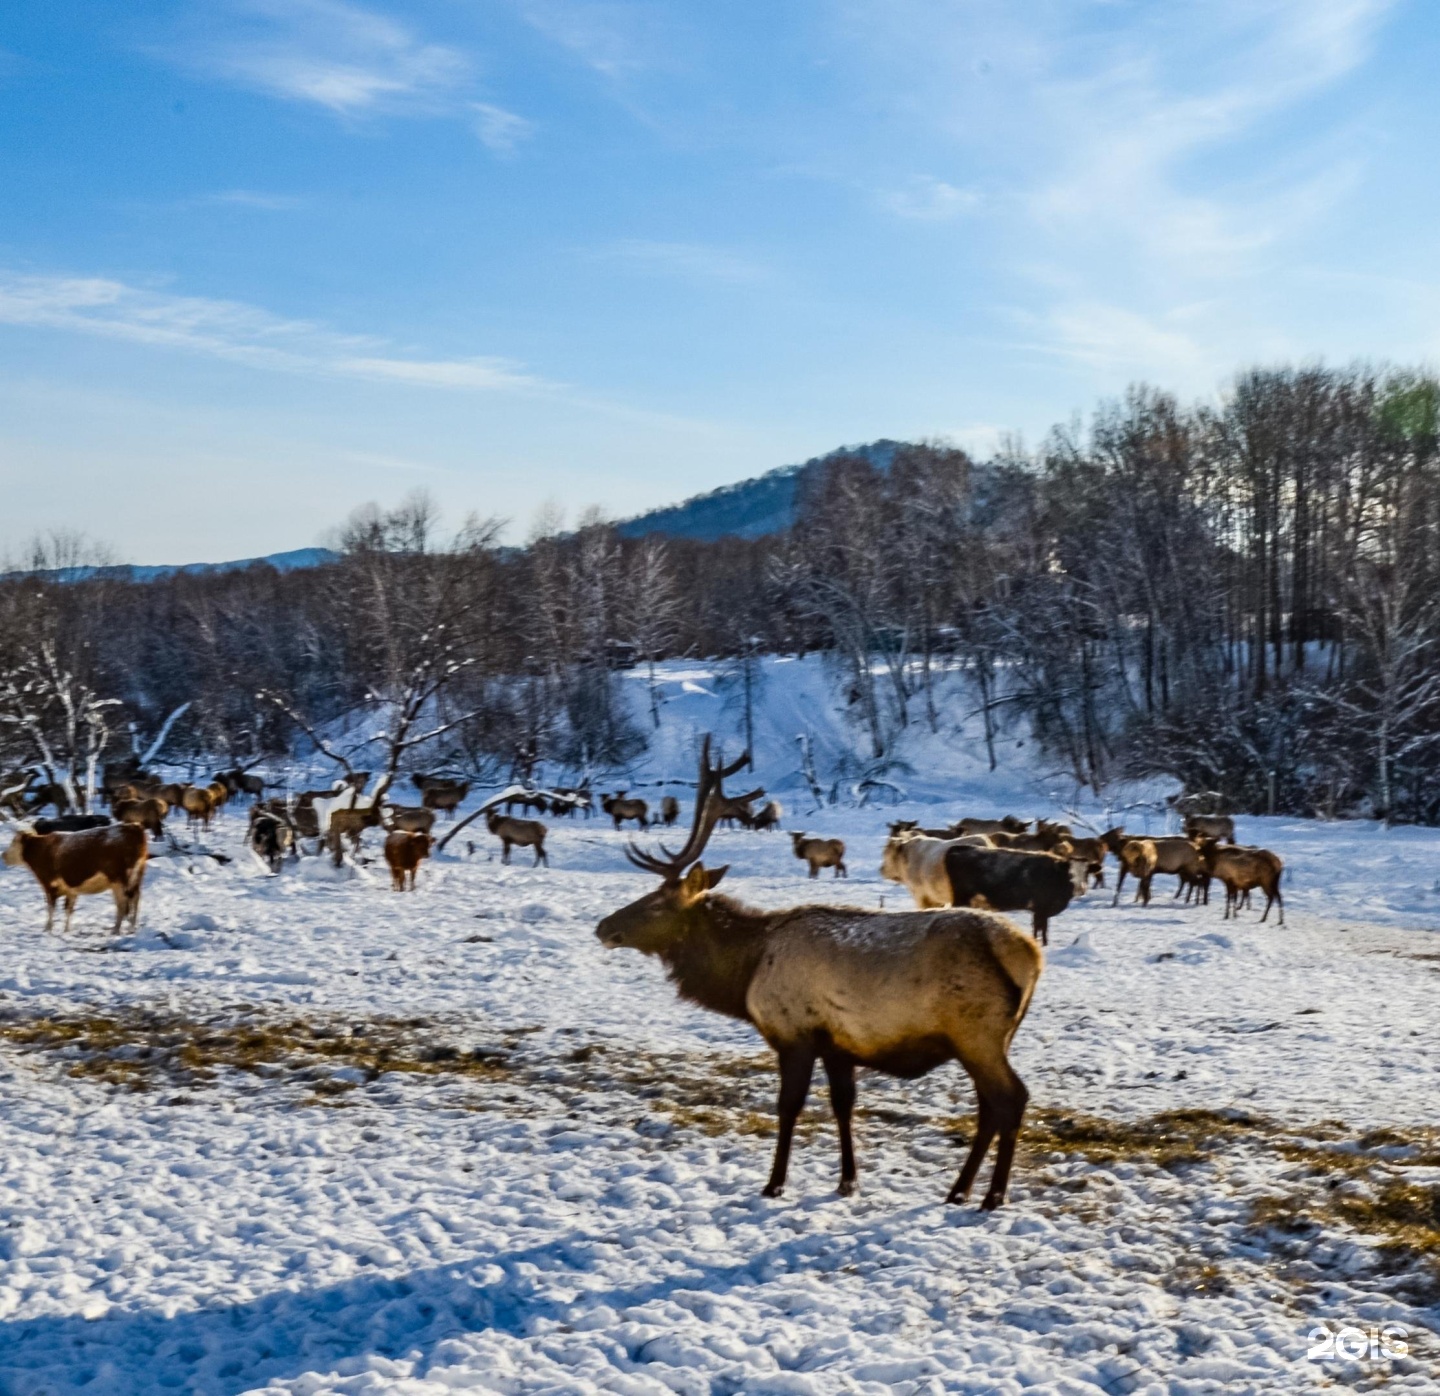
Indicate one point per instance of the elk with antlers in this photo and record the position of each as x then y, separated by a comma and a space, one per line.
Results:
899, 992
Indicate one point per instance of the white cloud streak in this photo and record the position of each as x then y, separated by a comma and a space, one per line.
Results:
499, 130
692, 261
354, 62
107, 309
328, 52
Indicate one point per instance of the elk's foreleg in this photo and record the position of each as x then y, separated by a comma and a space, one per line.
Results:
797, 1064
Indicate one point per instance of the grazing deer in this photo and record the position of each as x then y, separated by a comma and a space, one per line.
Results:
820, 853
1008, 825
1220, 827
767, 817
899, 992
527, 833
669, 811
1137, 857
404, 852
620, 809
411, 819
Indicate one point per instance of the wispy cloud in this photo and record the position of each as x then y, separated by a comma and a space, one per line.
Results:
253, 198
500, 130
352, 61
601, 33
930, 200
243, 334
334, 54
691, 260
1145, 174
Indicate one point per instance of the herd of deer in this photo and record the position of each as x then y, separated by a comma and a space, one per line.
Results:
898, 992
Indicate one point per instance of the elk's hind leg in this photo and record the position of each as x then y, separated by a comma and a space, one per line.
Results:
797, 1064
840, 1072
979, 1147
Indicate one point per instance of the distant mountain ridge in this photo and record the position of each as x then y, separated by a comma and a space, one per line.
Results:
291, 561
749, 508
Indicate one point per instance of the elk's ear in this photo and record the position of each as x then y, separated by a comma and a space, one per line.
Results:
696, 883
714, 876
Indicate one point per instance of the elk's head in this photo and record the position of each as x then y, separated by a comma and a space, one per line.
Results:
892, 860
659, 919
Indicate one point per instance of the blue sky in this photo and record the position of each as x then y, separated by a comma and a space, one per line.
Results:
261, 260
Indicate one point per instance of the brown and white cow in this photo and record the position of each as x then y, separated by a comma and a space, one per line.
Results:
68, 866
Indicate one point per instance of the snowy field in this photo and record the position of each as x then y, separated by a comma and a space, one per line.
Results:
304, 1134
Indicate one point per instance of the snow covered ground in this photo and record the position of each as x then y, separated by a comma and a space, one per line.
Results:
304, 1134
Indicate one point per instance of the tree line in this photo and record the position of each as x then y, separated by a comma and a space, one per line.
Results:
1241, 595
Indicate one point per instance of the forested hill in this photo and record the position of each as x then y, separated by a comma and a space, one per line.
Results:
751, 508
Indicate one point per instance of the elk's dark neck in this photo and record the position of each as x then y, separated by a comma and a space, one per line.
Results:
713, 961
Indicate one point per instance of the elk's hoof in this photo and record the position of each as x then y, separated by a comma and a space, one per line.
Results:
991, 1202
848, 1187
773, 1190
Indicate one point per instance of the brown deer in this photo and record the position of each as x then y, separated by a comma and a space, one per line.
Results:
350, 824
198, 804
1173, 855
1242, 870
1137, 857
411, 819
148, 813
821, 853
446, 798
899, 992
1220, 827
767, 817
1008, 825
669, 811
527, 833
620, 809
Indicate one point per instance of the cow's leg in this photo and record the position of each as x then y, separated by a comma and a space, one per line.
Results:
70, 899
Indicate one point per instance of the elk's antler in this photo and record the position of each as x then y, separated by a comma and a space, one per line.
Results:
708, 794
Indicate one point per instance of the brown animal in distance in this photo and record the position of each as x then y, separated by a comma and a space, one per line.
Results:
527, 833
198, 804
899, 992
620, 809
821, 853
1243, 869
404, 852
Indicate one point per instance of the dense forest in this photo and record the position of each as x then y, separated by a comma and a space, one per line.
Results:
1242, 595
